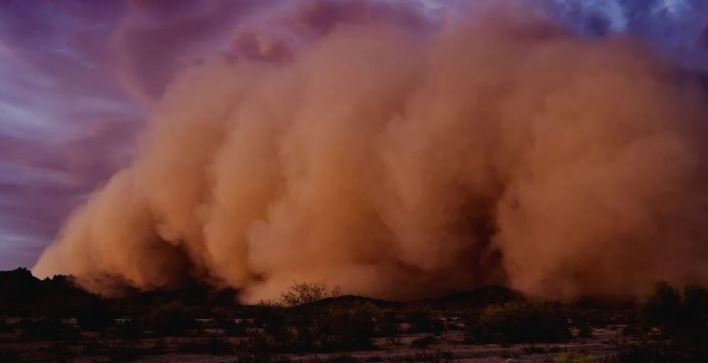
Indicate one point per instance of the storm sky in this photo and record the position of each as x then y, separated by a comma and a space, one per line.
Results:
78, 77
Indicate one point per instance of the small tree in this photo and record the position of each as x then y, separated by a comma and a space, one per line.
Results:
305, 293
677, 314
662, 307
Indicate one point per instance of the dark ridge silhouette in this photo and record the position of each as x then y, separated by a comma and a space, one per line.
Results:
21, 294
191, 293
19, 288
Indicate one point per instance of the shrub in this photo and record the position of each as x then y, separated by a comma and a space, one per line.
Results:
9, 355
233, 328
387, 323
344, 328
575, 358
94, 318
218, 346
583, 320
425, 321
534, 350
212, 346
519, 323
131, 329
253, 358
60, 351
645, 352
696, 297
276, 331
159, 346
117, 350
305, 293
677, 315
310, 329
662, 307
423, 342
170, 319
683, 321
584, 331
93, 347
46, 329
427, 356
339, 358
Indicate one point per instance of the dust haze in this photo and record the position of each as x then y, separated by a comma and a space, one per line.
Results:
399, 159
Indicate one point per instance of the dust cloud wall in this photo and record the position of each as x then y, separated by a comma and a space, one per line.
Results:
399, 159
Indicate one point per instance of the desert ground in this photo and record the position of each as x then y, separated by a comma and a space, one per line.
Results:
51, 320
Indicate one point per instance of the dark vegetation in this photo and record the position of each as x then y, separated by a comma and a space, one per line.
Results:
519, 322
669, 326
672, 326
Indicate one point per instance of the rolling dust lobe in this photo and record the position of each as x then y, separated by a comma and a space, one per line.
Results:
401, 163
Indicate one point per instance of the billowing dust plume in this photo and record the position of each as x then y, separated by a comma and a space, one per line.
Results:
401, 163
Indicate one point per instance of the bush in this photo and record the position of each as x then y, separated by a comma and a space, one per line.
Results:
46, 329
423, 342
693, 314
9, 355
212, 346
677, 315
387, 323
339, 358
425, 321
583, 320
124, 353
584, 331
333, 328
648, 352
534, 350
233, 328
276, 332
60, 351
662, 307
427, 356
219, 346
253, 358
131, 329
94, 318
519, 323
305, 293
575, 358
170, 319
675, 351
344, 328
683, 321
